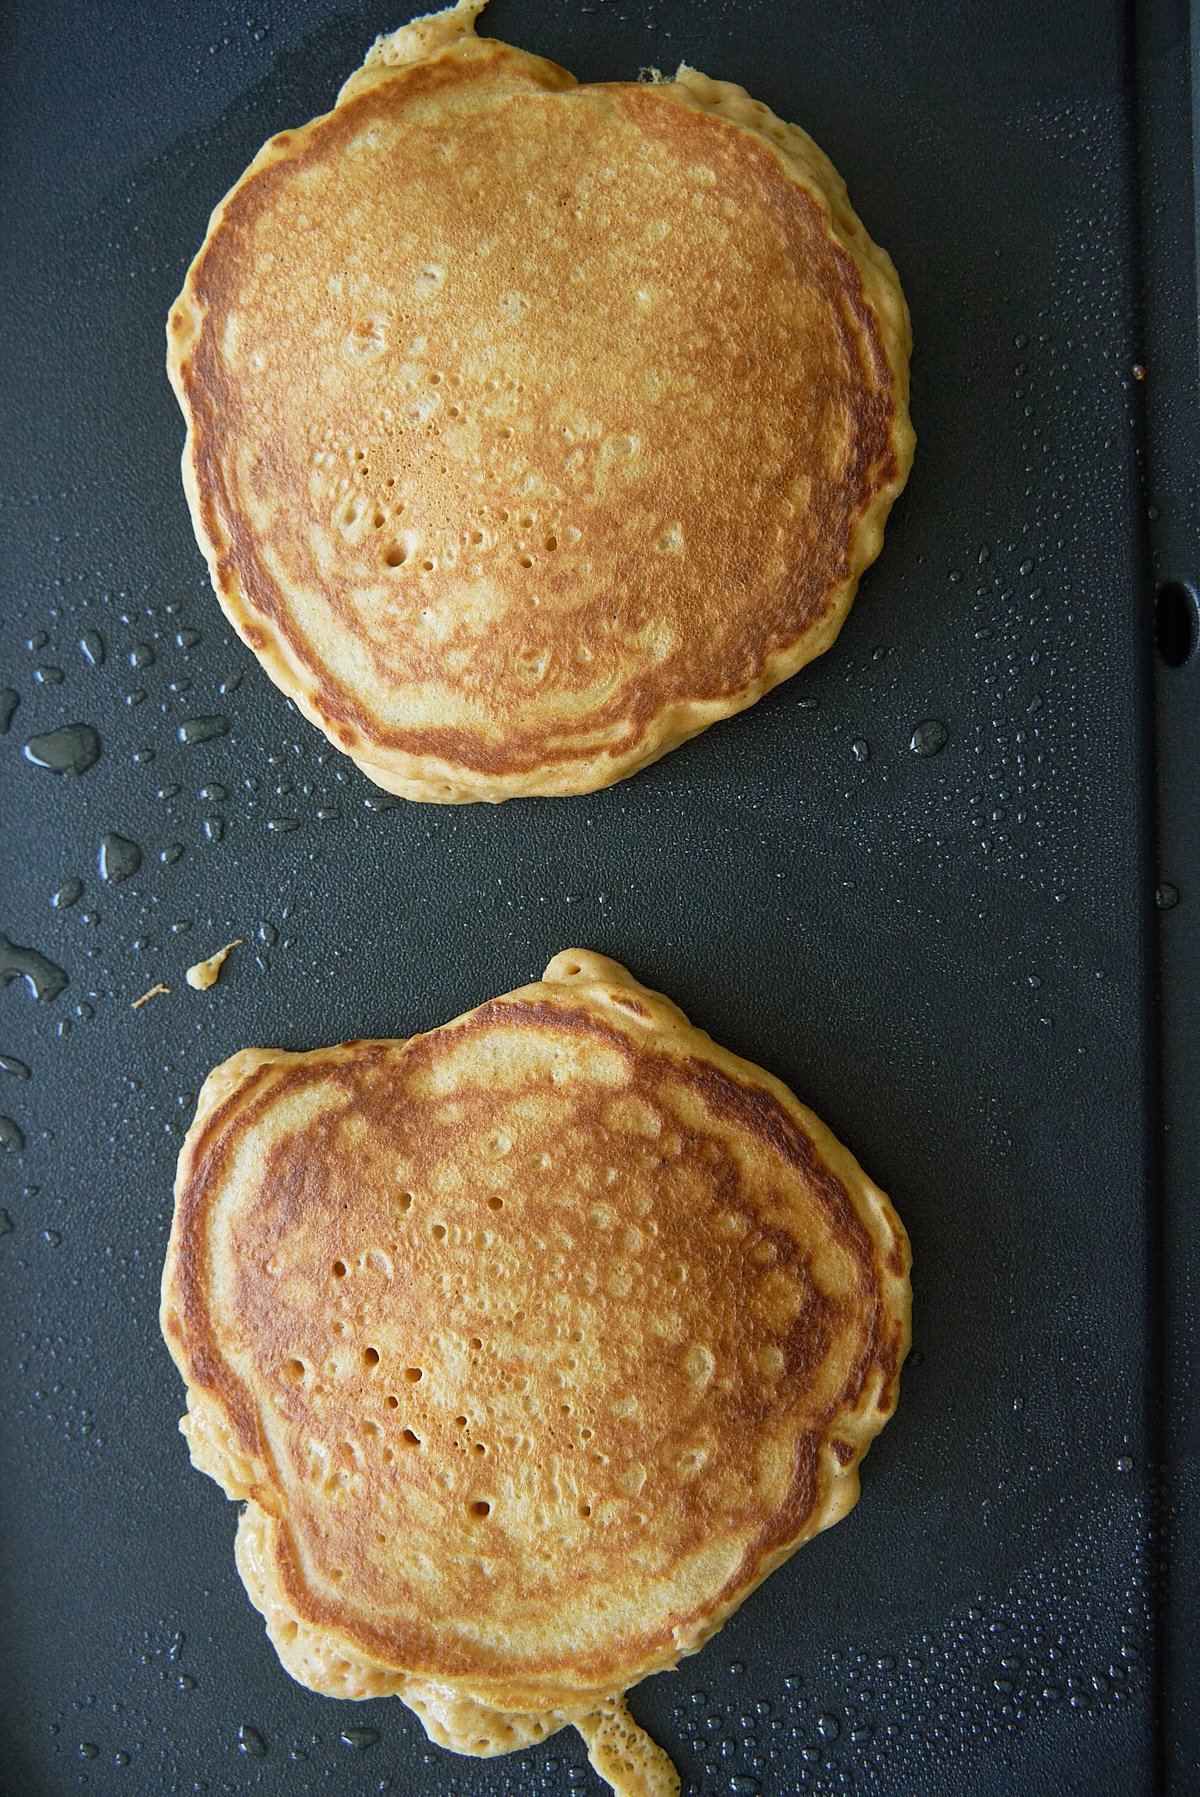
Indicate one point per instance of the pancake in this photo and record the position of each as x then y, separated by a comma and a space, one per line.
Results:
533, 426
532, 1344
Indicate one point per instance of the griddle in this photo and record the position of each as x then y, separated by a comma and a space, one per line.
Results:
954, 957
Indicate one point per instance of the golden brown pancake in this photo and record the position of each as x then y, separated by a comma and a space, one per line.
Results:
535, 426
533, 1345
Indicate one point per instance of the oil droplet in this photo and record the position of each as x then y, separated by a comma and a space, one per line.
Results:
360, 1737
1166, 896
201, 730
10, 1064
118, 858
72, 749
251, 1742
11, 1139
10, 698
69, 893
861, 750
929, 738
91, 647
44, 979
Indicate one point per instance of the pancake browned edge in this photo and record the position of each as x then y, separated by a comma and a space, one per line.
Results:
533, 1344
535, 426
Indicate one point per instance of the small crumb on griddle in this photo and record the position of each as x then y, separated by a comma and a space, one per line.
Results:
206, 973
147, 996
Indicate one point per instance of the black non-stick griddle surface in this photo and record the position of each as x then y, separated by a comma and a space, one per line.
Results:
947, 955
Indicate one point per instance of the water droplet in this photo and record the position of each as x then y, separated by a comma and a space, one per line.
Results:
44, 979
6, 1223
10, 698
214, 829
215, 794
283, 824
48, 676
11, 1139
268, 933
171, 853
121, 1758
72, 749
230, 685
743, 1786
186, 1682
52, 1238
88, 1750
1166, 896
201, 730
119, 858
136, 697
10, 1064
929, 738
68, 894
360, 1737
828, 1727
1125, 1464
861, 750
251, 1742
91, 647
187, 639
142, 656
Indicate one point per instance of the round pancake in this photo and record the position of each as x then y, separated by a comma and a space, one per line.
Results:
534, 1343
535, 426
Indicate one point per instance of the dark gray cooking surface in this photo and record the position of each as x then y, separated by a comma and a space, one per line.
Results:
947, 954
